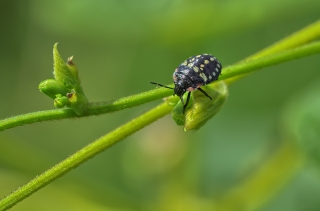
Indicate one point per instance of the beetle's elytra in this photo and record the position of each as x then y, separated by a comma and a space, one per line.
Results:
193, 73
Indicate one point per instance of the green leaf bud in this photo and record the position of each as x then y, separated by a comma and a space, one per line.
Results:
61, 101
177, 112
200, 108
51, 88
73, 68
61, 71
65, 89
78, 102
203, 108
75, 73
172, 100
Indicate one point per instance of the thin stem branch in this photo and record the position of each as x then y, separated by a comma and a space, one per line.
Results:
138, 99
303, 36
94, 108
84, 154
254, 65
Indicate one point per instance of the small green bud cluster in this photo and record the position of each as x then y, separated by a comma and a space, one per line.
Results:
65, 89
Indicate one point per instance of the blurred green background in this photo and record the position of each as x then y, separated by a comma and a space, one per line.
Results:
261, 152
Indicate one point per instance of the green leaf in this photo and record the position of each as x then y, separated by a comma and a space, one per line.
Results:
203, 108
200, 108
75, 73
177, 113
61, 72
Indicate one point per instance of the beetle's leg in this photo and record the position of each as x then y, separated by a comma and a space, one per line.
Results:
185, 105
201, 90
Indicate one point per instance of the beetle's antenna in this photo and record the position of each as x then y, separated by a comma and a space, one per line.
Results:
161, 85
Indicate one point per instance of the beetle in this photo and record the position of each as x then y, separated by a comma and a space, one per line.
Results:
193, 73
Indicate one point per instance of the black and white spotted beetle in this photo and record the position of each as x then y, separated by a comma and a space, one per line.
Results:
193, 73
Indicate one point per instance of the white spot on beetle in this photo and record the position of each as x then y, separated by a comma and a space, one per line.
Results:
203, 76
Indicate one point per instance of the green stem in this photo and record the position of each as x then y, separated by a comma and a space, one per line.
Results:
84, 154
138, 99
305, 35
253, 65
93, 109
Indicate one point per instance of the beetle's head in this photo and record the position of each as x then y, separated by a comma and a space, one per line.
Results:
179, 89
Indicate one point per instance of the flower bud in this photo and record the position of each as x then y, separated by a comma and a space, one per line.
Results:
61, 101
200, 108
203, 108
177, 112
65, 89
51, 88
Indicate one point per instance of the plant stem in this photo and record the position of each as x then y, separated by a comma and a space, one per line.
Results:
253, 65
138, 99
94, 108
305, 35
84, 154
